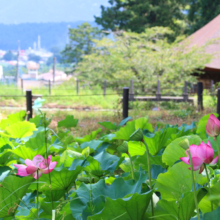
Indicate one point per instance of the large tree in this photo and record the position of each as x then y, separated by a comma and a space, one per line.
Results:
137, 15
80, 42
201, 12
144, 57
9, 56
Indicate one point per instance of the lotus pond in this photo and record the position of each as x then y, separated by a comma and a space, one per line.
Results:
126, 171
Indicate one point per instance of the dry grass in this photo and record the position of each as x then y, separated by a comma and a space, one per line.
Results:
88, 120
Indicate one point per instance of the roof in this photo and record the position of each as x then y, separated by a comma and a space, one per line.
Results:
31, 65
49, 75
208, 32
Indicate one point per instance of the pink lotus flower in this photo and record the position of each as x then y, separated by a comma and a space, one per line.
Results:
200, 154
213, 126
38, 164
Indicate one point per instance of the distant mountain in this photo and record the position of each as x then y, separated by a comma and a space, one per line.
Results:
36, 11
51, 34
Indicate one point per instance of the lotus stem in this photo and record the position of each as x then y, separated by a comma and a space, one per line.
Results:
216, 141
208, 179
132, 168
37, 198
53, 214
194, 188
45, 133
149, 175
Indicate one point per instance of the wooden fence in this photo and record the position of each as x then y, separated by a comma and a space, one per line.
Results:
130, 96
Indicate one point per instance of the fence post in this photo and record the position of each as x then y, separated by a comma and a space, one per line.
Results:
22, 86
125, 102
218, 103
77, 86
212, 86
158, 94
29, 104
199, 93
132, 90
185, 92
49, 87
105, 85
54, 69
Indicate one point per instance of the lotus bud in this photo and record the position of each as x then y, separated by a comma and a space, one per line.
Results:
213, 126
184, 144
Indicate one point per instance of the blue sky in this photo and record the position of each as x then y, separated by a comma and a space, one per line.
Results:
22, 11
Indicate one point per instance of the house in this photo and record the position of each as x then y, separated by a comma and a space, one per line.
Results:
59, 76
210, 31
32, 68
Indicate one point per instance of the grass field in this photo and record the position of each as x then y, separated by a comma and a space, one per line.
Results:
92, 107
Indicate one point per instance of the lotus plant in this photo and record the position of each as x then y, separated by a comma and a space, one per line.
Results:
213, 130
37, 167
198, 157
201, 155
213, 126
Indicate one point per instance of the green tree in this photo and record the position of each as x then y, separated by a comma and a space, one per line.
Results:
144, 57
9, 56
80, 42
137, 15
201, 12
34, 57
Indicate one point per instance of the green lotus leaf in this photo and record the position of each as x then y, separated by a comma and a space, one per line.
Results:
89, 192
205, 204
137, 135
124, 121
136, 148
173, 151
107, 161
28, 153
125, 132
12, 119
131, 208
89, 137
12, 189
19, 129
4, 171
94, 144
109, 125
183, 209
61, 180
175, 182
143, 124
93, 168
68, 122
212, 215
123, 148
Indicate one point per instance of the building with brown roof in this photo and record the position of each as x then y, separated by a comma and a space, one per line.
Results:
209, 32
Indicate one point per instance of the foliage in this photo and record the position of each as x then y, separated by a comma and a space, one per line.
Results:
9, 56
201, 12
145, 57
136, 16
34, 57
9, 70
92, 179
80, 42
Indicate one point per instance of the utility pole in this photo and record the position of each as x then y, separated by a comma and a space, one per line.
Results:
54, 69
17, 72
